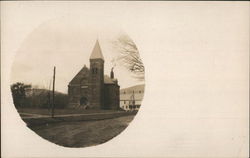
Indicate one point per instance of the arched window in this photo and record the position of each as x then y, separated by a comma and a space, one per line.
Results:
94, 70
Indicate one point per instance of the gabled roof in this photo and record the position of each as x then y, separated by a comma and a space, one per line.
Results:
138, 90
97, 53
84, 72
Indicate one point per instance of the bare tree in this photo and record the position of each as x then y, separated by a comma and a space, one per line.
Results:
129, 56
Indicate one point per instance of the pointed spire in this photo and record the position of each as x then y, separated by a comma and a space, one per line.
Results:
97, 53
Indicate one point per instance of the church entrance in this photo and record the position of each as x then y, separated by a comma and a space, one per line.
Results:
83, 101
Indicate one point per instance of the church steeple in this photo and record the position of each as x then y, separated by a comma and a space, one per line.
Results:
97, 53
96, 76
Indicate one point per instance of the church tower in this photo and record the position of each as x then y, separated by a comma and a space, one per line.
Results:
96, 83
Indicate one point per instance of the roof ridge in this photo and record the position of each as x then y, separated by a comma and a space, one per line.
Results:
84, 67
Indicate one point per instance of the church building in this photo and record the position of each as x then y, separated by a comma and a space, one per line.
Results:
90, 88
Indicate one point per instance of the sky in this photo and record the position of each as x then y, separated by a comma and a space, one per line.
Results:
66, 43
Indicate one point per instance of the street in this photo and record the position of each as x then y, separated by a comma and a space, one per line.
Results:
84, 133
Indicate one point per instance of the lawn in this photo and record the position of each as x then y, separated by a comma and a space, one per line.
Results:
82, 134
60, 111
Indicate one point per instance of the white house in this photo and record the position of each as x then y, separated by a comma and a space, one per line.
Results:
131, 97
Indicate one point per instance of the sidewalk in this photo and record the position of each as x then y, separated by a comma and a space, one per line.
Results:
37, 119
65, 115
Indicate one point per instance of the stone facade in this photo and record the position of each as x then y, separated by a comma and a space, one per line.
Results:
90, 88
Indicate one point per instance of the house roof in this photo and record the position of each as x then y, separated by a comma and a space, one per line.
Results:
97, 53
137, 96
137, 90
134, 89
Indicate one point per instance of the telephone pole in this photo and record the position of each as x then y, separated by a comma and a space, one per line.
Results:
49, 103
53, 93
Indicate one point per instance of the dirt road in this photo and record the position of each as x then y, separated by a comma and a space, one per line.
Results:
85, 133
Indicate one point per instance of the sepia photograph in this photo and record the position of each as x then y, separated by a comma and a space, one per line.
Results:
92, 92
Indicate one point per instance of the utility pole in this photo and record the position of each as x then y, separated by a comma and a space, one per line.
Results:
49, 103
53, 93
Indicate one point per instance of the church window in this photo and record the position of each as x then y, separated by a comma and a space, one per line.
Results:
84, 81
94, 71
139, 91
124, 101
75, 91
